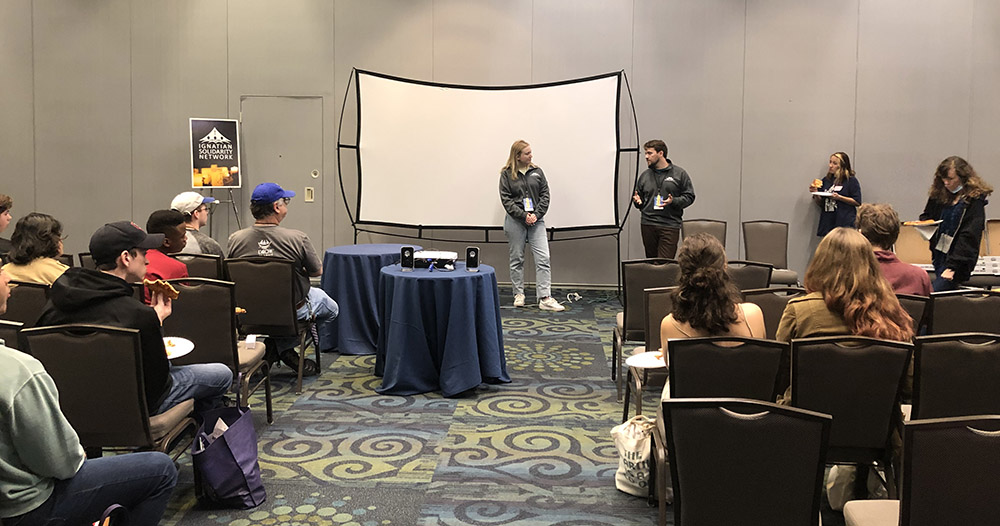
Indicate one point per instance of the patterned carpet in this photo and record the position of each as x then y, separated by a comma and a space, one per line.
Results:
537, 451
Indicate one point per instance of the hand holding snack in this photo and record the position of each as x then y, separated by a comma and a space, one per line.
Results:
161, 287
816, 185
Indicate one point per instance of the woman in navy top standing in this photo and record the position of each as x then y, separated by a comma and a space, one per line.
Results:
958, 199
841, 207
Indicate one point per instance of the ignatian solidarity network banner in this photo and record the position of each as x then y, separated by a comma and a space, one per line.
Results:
215, 153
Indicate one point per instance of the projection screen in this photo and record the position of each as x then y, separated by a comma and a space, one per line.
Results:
430, 154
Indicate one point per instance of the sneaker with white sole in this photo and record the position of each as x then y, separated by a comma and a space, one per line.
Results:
518, 300
551, 304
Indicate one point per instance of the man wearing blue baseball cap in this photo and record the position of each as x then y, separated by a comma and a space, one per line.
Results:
266, 238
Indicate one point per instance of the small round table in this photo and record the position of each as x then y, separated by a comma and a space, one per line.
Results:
350, 277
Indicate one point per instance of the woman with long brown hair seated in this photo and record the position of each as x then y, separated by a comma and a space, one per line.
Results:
35, 245
706, 301
846, 294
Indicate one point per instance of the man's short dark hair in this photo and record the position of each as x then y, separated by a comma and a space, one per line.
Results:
657, 145
879, 223
261, 209
162, 221
111, 265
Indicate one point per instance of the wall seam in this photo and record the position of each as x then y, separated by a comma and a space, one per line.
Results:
972, 79
34, 114
857, 75
743, 118
131, 110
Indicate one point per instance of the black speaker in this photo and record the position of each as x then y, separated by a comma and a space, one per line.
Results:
406, 258
472, 259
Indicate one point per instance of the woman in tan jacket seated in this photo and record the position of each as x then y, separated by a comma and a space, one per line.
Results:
35, 245
706, 301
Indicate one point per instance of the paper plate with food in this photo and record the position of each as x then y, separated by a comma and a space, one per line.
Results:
177, 346
925, 222
646, 360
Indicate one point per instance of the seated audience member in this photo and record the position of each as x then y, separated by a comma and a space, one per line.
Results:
846, 294
5, 205
195, 209
35, 245
104, 297
170, 223
266, 238
880, 224
43, 471
706, 302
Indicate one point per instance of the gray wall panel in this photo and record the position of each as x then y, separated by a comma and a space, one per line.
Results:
798, 109
985, 111
482, 43
914, 74
173, 79
82, 114
17, 160
688, 77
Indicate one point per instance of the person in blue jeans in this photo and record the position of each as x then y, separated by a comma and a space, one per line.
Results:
958, 199
524, 193
45, 478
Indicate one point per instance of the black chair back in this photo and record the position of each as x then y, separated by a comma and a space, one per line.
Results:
265, 288
745, 462
66, 259
956, 375
725, 366
9, 333
201, 265
772, 302
750, 275
968, 310
658, 303
205, 313
26, 302
916, 307
943, 460
87, 261
639, 275
767, 242
857, 380
713, 227
98, 371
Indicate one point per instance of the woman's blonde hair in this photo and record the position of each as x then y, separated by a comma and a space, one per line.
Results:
972, 186
845, 170
515, 152
845, 270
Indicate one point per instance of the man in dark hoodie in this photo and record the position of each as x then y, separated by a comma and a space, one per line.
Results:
104, 296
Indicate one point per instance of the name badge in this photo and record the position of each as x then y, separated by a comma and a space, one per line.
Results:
529, 206
659, 202
944, 243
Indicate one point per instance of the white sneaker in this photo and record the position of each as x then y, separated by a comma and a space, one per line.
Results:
551, 304
518, 300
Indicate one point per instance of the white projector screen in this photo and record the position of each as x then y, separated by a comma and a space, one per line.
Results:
430, 155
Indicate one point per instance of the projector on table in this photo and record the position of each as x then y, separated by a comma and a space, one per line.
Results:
441, 259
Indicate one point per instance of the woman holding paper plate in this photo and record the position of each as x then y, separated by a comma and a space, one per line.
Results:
838, 195
524, 193
958, 200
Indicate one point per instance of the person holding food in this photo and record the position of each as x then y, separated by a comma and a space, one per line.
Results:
159, 265
957, 199
104, 296
838, 195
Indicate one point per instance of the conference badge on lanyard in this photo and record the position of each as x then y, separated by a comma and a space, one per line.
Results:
659, 202
529, 206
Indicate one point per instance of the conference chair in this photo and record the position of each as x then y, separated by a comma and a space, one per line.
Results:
98, 372
767, 241
265, 288
737, 461
956, 375
637, 275
658, 303
858, 380
725, 366
772, 302
86, 260
8, 333
714, 227
205, 313
26, 302
65, 259
916, 307
966, 310
992, 236
949, 464
911, 247
201, 265
750, 275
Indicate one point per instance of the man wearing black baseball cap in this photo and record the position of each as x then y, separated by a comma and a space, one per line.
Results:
104, 296
266, 238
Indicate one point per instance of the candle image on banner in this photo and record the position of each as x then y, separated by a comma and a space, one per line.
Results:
215, 153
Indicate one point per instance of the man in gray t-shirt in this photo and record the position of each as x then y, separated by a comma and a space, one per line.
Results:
195, 210
266, 238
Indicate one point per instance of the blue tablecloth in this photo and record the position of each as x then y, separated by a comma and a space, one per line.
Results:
439, 331
350, 277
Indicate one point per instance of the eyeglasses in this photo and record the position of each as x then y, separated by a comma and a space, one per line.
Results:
286, 200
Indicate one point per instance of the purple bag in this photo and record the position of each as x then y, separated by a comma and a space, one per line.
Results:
228, 465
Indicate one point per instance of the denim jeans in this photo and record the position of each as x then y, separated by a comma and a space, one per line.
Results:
517, 234
141, 482
205, 382
939, 284
321, 305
